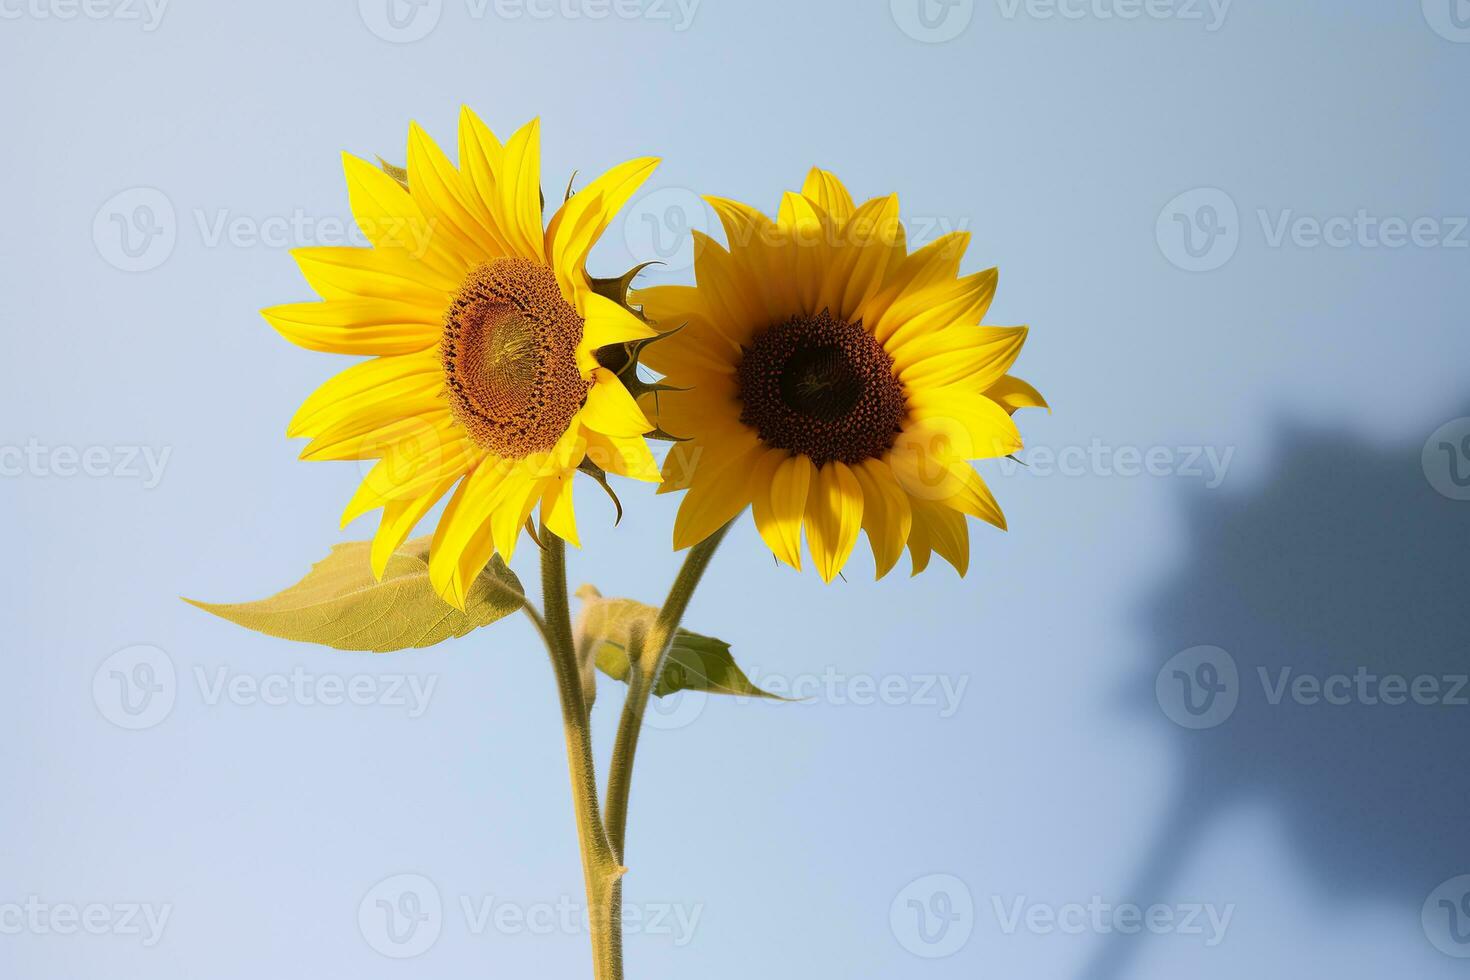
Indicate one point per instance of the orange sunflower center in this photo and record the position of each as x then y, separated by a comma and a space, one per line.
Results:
821, 387
510, 358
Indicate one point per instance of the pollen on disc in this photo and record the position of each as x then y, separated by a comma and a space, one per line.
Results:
510, 358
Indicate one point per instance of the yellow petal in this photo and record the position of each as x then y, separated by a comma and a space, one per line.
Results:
610, 409
734, 304
717, 496
440, 192
811, 235
827, 192
356, 326
953, 302
370, 273
978, 427
975, 497
887, 517
582, 219
400, 517
870, 244
943, 530
418, 425
623, 455
557, 512
834, 515
404, 474
779, 491
1012, 393
610, 323
518, 193
463, 542
480, 156
975, 357
391, 219
934, 263
378, 381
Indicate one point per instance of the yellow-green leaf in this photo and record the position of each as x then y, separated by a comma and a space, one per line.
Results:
694, 663
339, 603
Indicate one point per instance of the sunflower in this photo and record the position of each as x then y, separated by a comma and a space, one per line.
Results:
480, 326
833, 382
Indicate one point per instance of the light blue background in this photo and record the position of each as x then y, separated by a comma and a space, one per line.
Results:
792, 828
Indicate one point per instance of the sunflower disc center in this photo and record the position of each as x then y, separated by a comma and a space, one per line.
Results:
821, 387
510, 358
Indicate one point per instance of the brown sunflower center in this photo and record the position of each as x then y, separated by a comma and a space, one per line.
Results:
823, 388
510, 358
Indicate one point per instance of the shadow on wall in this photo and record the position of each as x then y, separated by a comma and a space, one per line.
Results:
1311, 657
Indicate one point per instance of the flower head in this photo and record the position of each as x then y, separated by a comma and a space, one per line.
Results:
834, 383
481, 326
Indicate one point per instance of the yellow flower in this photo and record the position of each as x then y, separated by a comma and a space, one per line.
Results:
481, 327
835, 383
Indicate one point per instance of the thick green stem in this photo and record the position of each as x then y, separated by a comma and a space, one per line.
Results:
646, 655
600, 866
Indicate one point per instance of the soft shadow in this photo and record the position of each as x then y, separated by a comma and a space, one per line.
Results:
1346, 561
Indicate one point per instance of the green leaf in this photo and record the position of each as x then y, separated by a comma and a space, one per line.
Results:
340, 604
695, 662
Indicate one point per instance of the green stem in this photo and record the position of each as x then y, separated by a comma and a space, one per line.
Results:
601, 869
646, 656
